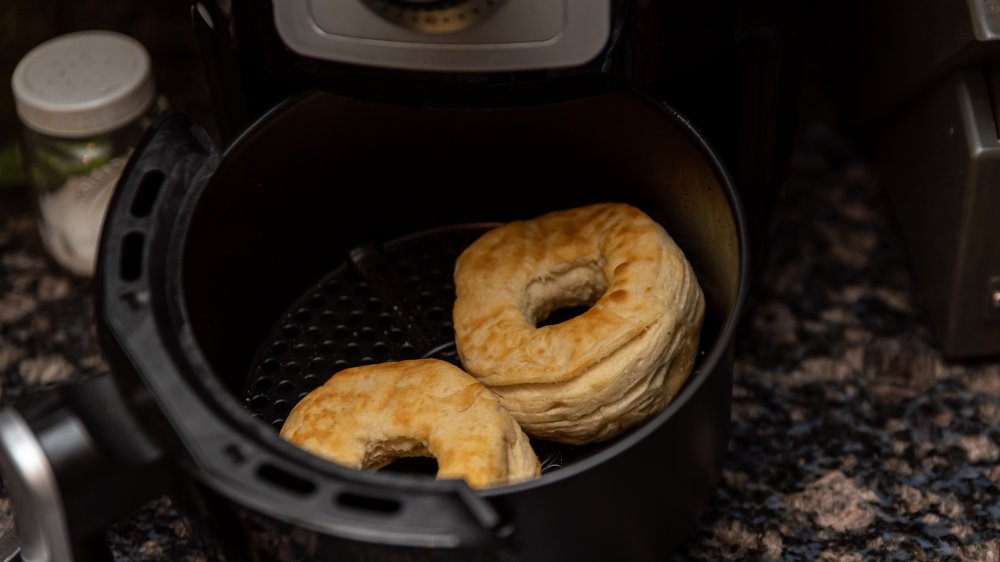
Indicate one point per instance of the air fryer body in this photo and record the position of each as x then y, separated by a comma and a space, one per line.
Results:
243, 235
203, 251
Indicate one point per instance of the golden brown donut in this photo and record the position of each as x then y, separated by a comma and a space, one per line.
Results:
367, 417
591, 377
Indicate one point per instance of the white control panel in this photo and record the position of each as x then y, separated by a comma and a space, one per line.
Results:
448, 35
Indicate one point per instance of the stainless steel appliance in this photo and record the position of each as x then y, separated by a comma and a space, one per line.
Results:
928, 95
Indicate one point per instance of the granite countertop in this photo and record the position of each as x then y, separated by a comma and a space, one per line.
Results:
852, 438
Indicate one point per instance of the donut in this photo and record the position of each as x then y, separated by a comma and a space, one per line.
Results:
595, 375
366, 417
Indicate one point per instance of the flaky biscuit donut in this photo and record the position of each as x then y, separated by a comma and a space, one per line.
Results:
367, 417
593, 376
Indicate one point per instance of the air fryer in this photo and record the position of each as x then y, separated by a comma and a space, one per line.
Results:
232, 282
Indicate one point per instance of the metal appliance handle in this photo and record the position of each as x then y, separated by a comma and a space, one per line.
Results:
10, 547
74, 459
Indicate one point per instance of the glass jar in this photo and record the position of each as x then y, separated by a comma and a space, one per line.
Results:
85, 100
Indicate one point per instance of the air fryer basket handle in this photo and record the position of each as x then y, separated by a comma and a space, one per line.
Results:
134, 312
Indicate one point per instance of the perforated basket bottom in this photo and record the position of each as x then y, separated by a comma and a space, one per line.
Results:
384, 303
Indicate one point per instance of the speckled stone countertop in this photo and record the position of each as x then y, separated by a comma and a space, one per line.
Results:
852, 439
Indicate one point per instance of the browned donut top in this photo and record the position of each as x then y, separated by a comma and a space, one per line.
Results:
366, 417
495, 278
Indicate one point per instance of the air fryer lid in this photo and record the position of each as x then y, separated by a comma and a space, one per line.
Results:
198, 269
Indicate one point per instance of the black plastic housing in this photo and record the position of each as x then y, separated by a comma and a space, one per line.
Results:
192, 282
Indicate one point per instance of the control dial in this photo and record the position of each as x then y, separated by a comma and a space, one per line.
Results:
435, 16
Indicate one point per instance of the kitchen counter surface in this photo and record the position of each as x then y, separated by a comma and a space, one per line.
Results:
852, 439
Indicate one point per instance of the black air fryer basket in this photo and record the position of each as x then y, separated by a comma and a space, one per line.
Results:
325, 237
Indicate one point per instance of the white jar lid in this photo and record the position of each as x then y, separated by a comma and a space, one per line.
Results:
83, 84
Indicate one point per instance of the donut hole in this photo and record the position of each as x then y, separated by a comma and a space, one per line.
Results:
563, 314
401, 455
426, 466
564, 292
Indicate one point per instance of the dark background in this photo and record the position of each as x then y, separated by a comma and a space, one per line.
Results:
164, 27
